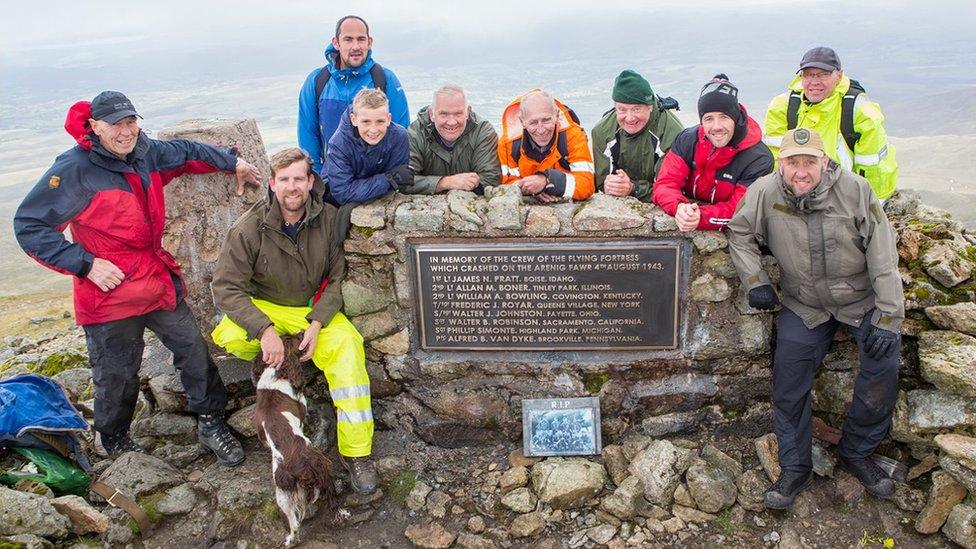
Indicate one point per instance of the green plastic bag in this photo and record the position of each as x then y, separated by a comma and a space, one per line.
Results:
57, 472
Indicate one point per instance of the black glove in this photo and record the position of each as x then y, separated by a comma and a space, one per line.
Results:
400, 177
878, 342
763, 298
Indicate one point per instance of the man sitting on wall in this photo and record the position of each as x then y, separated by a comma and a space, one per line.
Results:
279, 272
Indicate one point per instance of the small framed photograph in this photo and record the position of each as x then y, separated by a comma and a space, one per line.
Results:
561, 427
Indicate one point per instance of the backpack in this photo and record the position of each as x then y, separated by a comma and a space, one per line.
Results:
846, 112
38, 420
375, 72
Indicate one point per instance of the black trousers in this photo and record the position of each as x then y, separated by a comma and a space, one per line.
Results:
115, 353
800, 351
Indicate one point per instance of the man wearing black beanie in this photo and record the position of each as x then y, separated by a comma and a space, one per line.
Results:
712, 163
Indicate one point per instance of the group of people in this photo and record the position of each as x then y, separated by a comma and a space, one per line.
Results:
808, 188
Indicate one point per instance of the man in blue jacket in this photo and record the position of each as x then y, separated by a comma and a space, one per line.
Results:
368, 155
329, 90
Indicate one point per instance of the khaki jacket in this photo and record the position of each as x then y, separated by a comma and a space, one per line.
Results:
835, 249
259, 260
476, 150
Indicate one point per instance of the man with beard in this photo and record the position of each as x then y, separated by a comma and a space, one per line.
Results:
279, 273
711, 164
451, 147
838, 266
630, 141
329, 90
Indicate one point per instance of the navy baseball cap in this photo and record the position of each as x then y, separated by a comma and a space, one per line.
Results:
112, 106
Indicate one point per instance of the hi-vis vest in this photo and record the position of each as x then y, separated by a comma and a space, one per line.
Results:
872, 157
570, 153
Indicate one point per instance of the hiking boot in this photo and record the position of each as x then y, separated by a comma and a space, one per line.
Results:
362, 473
117, 445
872, 477
782, 493
215, 435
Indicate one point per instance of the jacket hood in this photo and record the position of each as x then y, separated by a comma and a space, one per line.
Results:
815, 199
332, 62
77, 126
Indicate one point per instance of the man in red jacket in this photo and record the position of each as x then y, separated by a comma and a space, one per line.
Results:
108, 190
709, 166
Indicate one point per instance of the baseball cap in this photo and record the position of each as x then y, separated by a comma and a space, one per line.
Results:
801, 141
112, 106
820, 58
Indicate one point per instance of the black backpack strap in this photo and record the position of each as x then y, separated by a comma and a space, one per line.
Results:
847, 114
378, 76
320, 81
793, 110
563, 147
375, 72
517, 150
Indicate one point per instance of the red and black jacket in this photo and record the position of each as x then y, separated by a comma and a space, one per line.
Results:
694, 169
116, 211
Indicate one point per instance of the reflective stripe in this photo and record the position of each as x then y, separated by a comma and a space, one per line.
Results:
844, 155
571, 185
581, 166
350, 392
356, 416
510, 171
773, 141
871, 159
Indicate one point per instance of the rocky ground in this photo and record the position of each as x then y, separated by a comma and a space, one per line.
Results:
697, 483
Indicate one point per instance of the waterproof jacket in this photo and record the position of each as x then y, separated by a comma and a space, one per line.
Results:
567, 163
116, 211
476, 150
355, 171
318, 118
873, 156
259, 260
694, 169
835, 249
639, 155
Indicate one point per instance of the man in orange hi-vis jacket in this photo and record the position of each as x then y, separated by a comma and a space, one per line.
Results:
544, 150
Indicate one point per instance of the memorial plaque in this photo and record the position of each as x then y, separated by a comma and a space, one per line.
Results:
557, 295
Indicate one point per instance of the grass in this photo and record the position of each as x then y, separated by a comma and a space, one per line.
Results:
725, 522
400, 485
17, 310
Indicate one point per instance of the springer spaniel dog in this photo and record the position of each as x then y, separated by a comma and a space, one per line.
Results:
301, 473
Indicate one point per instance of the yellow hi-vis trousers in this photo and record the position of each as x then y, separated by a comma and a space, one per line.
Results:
338, 353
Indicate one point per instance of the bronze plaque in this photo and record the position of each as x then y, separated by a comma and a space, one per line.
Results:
555, 295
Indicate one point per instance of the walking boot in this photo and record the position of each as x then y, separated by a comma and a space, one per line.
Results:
782, 493
872, 477
362, 473
215, 435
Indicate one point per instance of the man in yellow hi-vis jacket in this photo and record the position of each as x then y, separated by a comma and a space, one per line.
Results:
279, 273
822, 98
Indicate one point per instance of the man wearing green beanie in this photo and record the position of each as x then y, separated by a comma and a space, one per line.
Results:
632, 138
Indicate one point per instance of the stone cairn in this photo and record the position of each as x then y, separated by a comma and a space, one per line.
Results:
657, 482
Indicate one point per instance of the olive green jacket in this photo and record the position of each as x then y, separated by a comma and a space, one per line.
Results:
259, 260
639, 155
475, 151
835, 249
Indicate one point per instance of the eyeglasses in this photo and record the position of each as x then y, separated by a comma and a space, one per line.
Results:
818, 76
